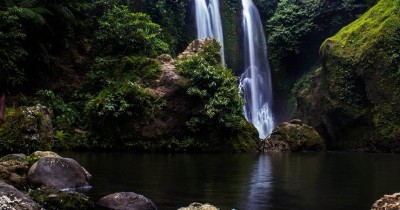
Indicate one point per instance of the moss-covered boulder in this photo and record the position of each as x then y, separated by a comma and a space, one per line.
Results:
26, 129
53, 199
13, 169
293, 136
354, 99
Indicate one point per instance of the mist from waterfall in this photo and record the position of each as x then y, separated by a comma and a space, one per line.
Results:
255, 82
208, 22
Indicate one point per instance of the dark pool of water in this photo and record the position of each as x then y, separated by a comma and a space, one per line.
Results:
247, 181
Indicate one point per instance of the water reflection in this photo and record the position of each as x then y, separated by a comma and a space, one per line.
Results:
260, 185
246, 181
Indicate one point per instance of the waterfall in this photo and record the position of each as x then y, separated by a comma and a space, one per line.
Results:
255, 82
208, 22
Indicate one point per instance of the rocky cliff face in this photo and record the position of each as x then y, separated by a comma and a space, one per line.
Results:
354, 99
202, 109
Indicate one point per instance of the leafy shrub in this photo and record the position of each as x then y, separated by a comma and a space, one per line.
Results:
110, 114
122, 32
216, 104
65, 115
12, 54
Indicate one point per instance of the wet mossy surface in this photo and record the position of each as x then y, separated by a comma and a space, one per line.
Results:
354, 99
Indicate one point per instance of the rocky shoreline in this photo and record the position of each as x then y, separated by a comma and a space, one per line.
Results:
45, 180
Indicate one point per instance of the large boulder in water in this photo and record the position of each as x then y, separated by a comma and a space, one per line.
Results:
354, 99
294, 136
126, 201
11, 198
387, 202
26, 129
60, 173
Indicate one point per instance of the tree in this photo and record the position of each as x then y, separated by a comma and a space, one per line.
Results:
122, 32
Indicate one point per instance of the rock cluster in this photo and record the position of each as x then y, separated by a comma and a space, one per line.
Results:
56, 178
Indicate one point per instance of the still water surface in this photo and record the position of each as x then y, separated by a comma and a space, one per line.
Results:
247, 181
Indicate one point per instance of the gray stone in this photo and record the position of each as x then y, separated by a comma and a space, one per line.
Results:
12, 199
60, 173
126, 201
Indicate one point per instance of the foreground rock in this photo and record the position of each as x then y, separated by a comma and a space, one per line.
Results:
126, 201
388, 202
11, 198
199, 206
51, 198
60, 173
293, 136
27, 129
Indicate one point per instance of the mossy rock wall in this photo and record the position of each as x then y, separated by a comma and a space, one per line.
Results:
26, 129
354, 99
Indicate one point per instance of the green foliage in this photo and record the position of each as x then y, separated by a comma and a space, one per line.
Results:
36, 28
295, 31
12, 54
66, 116
172, 15
140, 69
361, 83
122, 32
111, 113
216, 106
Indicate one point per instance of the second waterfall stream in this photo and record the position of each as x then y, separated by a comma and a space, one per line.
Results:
255, 81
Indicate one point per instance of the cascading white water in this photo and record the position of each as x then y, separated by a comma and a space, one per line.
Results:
208, 22
255, 82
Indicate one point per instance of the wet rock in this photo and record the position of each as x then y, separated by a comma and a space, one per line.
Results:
387, 202
11, 198
51, 198
60, 173
126, 201
199, 206
293, 136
